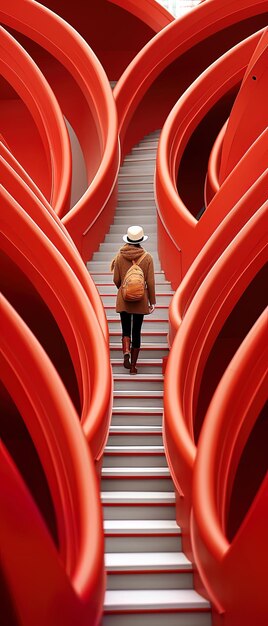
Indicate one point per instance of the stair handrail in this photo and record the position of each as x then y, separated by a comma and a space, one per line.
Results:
26, 244
209, 308
87, 221
30, 84
241, 394
74, 573
22, 189
187, 232
242, 211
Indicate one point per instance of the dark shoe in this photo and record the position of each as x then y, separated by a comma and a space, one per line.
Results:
134, 357
126, 352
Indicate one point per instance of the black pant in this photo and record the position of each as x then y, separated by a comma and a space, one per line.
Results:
137, 319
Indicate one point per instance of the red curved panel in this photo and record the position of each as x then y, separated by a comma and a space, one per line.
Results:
222, 254
240, 135
193, 42
57, 285
76, 580
241, 212
29, 197
25, 77
87, 222
234, 573
175, 217
215, 299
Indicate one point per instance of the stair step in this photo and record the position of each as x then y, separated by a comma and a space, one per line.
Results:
138, 419
135, 472
134, 450
147, 336
128, 436
129, 177
139, 158
153, 580
146, 570
121, 224
137, 543
133, 430
141, 183
148, 351
139, 211
147, 167
132, 484
149, 324
142, 535
141, 382
135, 479
143, 148
181, 601
131, 204
132, 561
116, 229
138, 504
141, 527
131, 411
148, 219
134, 456
144, 190
138, 398
146, 366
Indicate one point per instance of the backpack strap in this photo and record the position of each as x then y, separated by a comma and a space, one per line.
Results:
140, 259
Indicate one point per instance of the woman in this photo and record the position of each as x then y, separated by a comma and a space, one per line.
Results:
133, 251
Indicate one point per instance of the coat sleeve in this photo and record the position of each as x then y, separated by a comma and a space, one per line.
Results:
117, 277
151, 282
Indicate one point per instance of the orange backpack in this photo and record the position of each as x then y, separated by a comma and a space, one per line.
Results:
133, 286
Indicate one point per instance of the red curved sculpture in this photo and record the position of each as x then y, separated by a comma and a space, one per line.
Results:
240, 135
88, 220
25, 77
22, 189
146, 91
76, 571
230, 571
175, 219
213, 302
241, 212
57, 285
221, 257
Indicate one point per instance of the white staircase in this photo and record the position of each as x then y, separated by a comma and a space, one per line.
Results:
149, 579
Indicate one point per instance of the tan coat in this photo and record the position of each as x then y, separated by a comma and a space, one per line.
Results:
120, 266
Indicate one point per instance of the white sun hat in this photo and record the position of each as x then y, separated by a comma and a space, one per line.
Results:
135, 235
